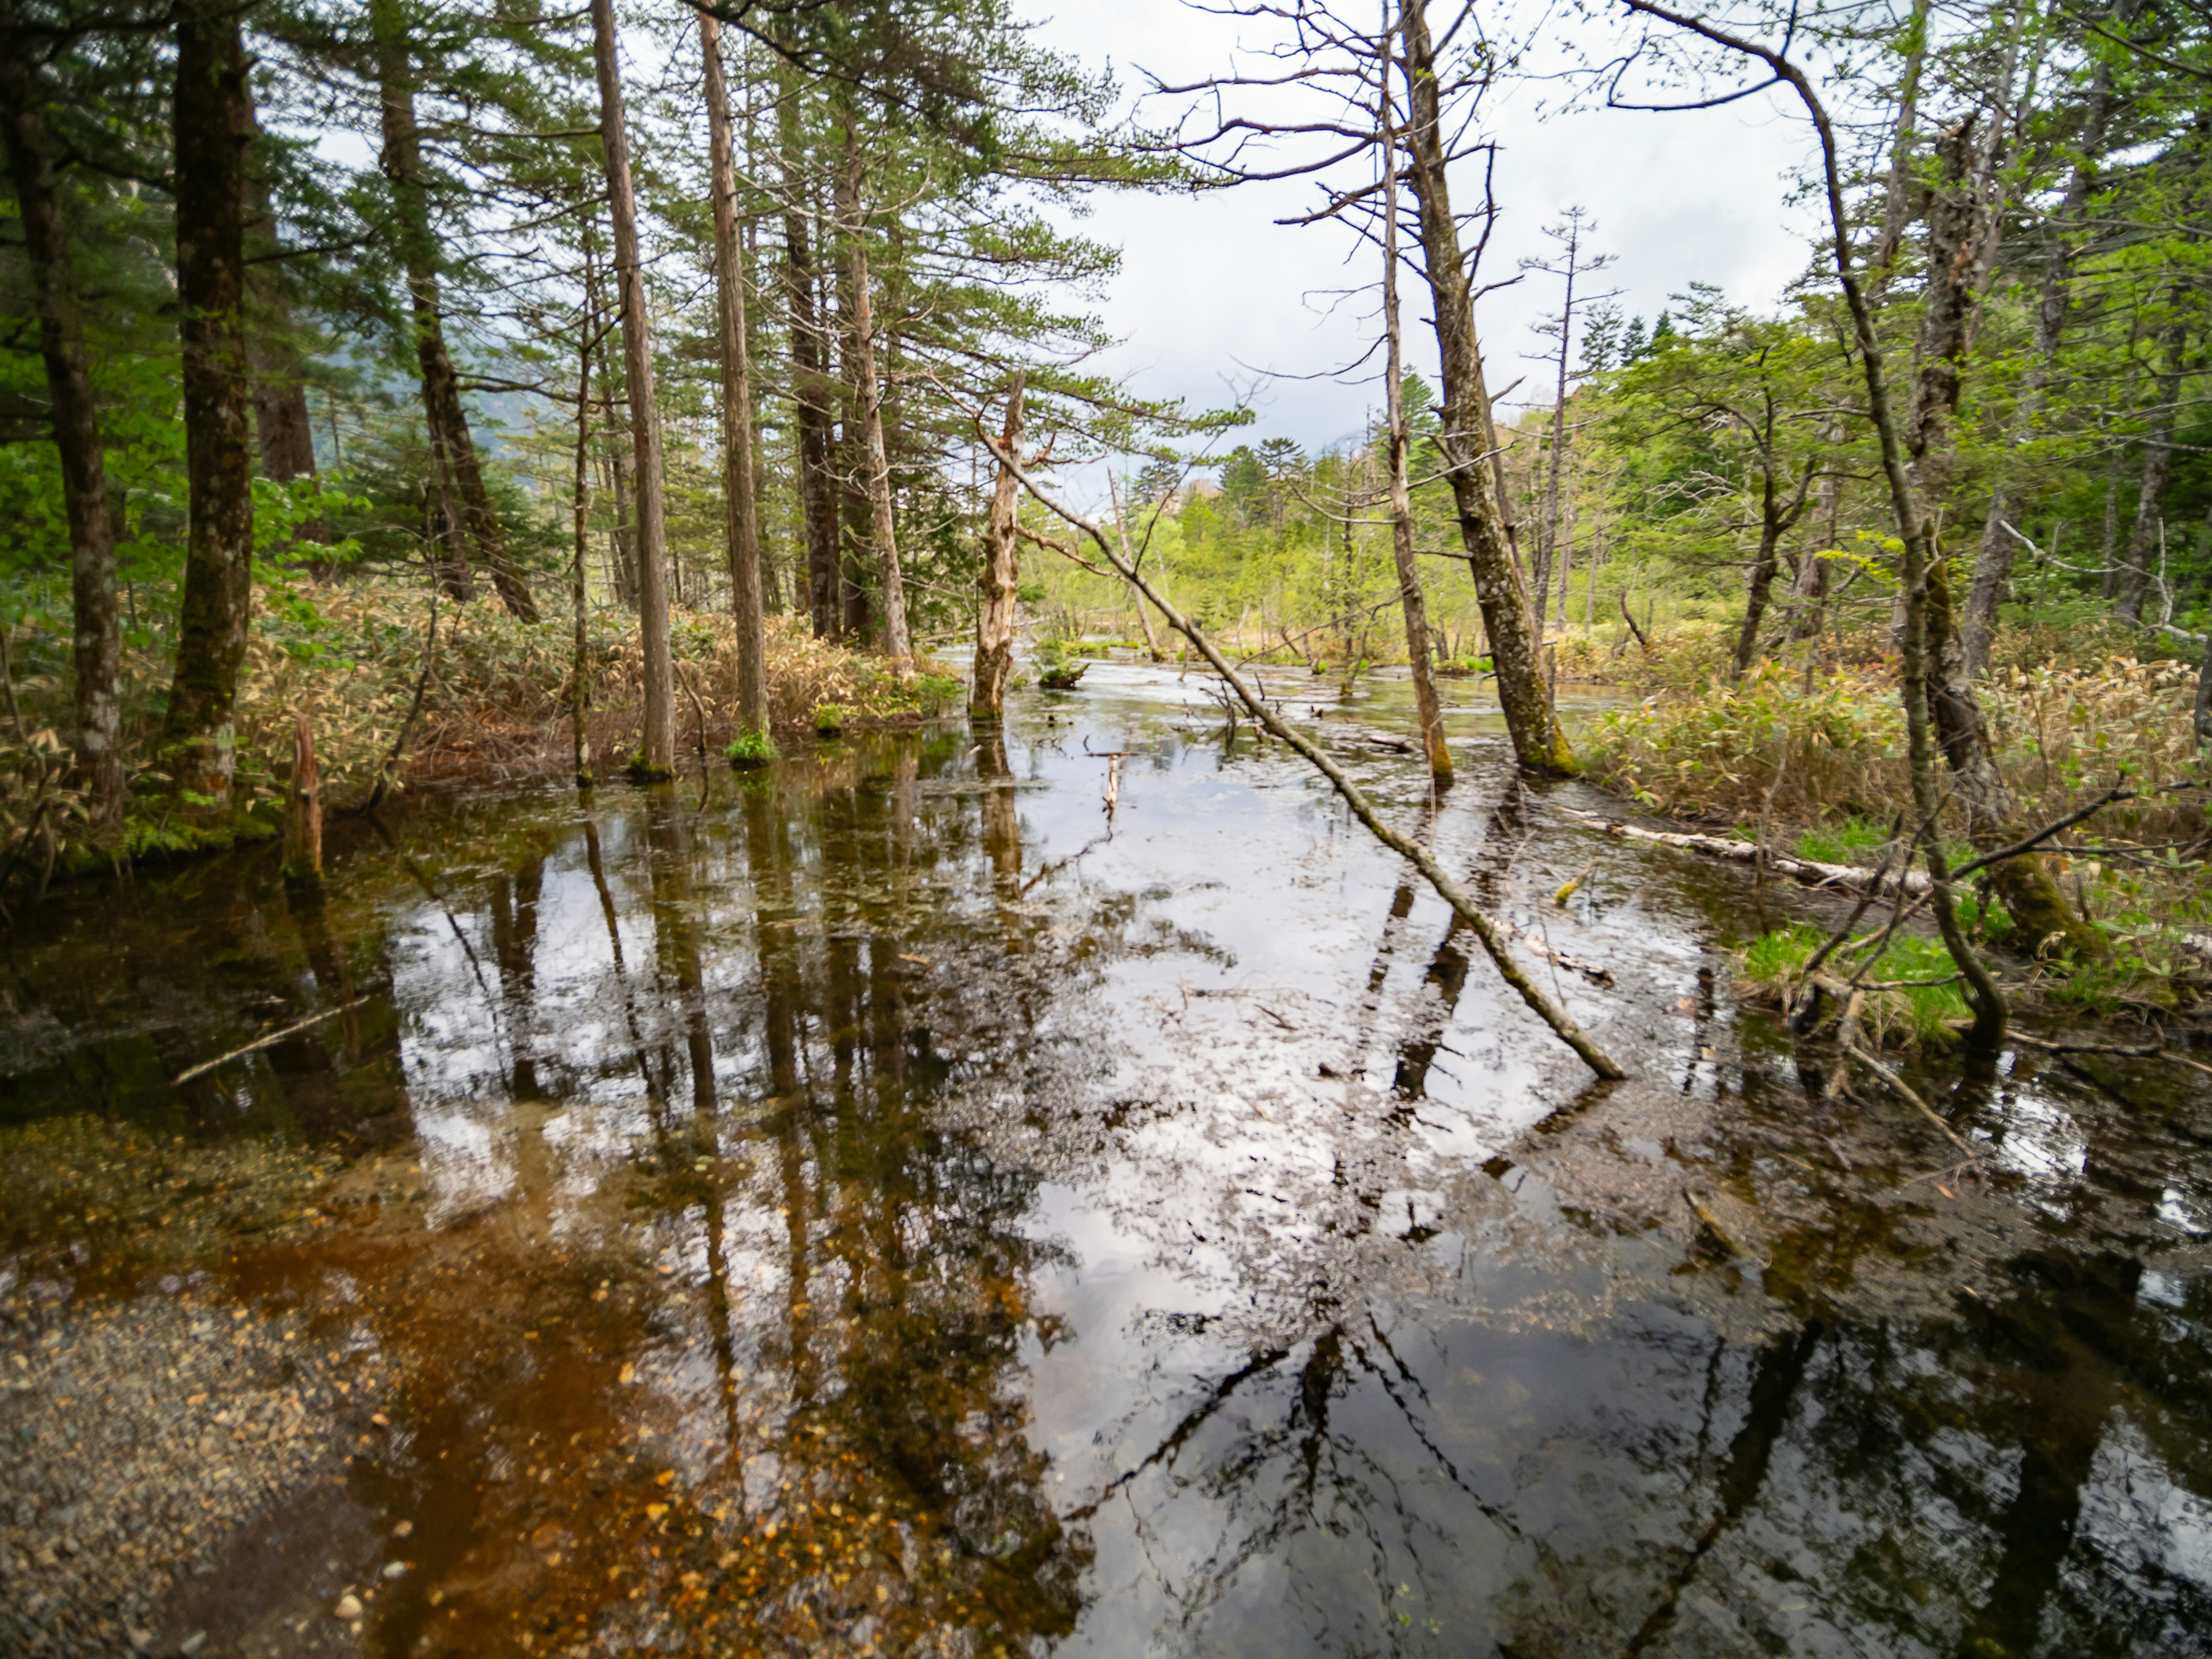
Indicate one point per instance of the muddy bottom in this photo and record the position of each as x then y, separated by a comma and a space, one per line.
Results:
890, 1204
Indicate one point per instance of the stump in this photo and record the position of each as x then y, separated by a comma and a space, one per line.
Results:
303, 814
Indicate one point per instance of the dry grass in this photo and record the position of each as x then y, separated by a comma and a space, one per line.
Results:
349, 658
1823, 768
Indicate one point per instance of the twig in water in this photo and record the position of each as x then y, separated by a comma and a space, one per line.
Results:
270, 1041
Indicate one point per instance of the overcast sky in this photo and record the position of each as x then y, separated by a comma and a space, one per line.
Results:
1210, 283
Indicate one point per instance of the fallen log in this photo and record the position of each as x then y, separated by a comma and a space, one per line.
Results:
1813, 873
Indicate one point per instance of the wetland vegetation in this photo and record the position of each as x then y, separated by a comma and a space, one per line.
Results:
710, 950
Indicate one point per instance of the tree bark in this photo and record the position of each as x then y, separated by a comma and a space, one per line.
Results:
213, 129
867, 388
96, 627
809, 387
741, 499
580, 661
454, 450
1001, 576
1955, 245
1523, 694
1412, 603
1759, 591
656, 757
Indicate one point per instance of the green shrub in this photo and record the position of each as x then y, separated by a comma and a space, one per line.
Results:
829, 719
1060, 666
751, 749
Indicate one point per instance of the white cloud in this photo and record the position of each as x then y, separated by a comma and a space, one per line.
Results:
1209, 283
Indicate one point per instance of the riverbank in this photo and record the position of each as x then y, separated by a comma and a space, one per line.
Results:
1812, 764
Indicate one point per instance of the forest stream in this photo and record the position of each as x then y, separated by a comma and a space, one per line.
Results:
885, 1204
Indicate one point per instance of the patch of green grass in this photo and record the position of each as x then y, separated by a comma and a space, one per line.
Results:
1854, 840
1911, 1014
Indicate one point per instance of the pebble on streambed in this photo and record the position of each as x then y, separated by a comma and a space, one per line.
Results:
139, 1437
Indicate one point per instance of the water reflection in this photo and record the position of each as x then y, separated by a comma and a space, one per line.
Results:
868, 1207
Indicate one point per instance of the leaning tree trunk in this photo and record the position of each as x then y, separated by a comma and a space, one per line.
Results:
1523, 694
867, 387
1758, 591
1000, 579
809, 378
656, 757
453, 449
96, 627
213, 130
737, 400
1410, 601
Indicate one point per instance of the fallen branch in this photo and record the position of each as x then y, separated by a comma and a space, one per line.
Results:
1493, 937
1809, 870
1898, 1086
270, 1041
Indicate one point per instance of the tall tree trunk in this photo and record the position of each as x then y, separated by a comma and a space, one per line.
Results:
809, 379
656, 756
96, 627
2158, 465
1523, 694
1001, 576
1548, 548
856, 527
620, 463
891, 583
580, 661
1410, 599
1993, 560
453, 450
737, 400
1956, 242
213, 131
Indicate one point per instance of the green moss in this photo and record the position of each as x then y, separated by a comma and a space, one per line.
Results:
829, 719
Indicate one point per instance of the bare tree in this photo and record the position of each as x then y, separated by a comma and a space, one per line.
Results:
1469, 437
1571, 265
999, 578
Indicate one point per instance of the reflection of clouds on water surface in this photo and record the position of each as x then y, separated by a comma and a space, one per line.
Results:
997, 1232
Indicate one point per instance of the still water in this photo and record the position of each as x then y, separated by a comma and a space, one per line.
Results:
889, 1204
